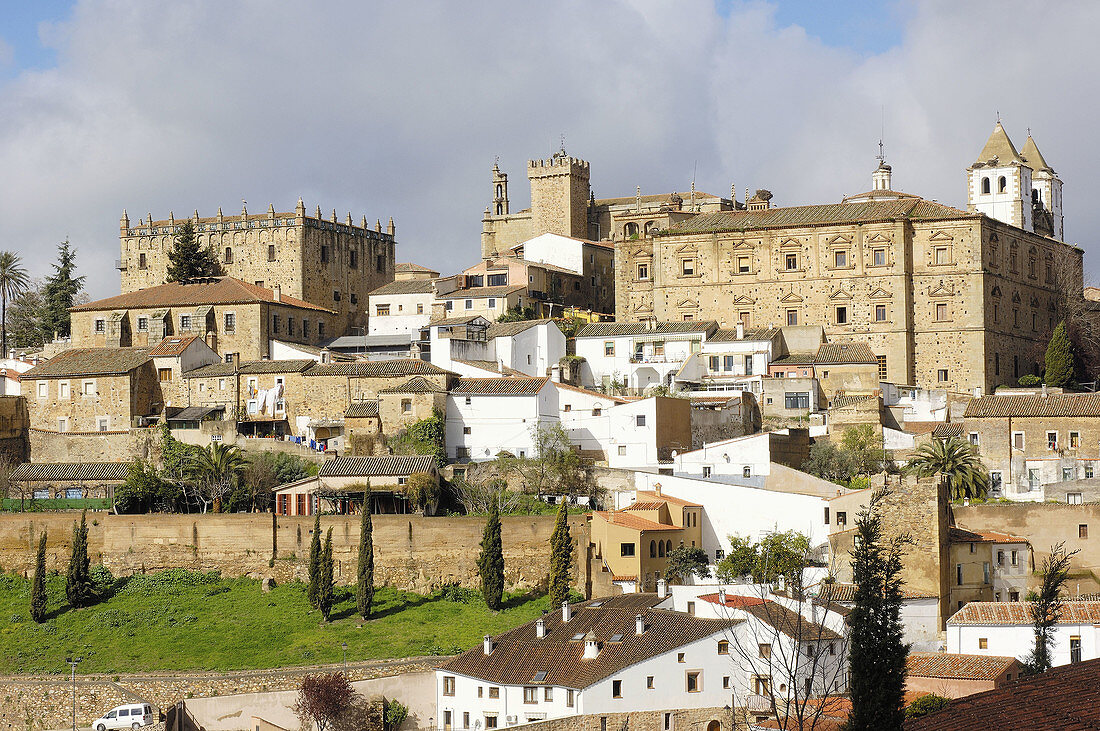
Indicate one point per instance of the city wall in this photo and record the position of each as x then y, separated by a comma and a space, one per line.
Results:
412, 552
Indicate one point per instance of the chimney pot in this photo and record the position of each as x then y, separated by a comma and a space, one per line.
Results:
662, 589
566, 612
722, 596
540, 628
591, 647
277, 293
639, 624
657, 489
487, 645
740, 329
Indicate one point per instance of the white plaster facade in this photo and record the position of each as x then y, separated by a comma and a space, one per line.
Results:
400, 314
480, 425
1017, 639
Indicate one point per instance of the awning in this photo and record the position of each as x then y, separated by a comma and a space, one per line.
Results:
195, 413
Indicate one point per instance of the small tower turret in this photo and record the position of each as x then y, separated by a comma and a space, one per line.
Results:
391, 229
499, 206
124, 222
1000, 182
1046, 191
300, 209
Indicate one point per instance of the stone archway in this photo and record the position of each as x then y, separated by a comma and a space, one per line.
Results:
714, 725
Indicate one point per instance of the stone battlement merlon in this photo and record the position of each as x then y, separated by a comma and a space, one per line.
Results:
251, 221
558, 162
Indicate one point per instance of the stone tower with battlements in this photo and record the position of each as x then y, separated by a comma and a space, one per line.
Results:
559, 195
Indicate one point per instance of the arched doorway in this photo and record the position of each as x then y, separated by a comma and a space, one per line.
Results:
714, 725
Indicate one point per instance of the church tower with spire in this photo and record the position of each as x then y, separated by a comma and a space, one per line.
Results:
1046, 192
1000, 182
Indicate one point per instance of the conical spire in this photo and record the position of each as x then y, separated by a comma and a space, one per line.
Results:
1032, 156
999, 146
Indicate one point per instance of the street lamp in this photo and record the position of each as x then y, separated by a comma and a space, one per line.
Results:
344, 645
73, 662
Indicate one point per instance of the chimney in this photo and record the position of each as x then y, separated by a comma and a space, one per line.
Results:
722, 596
277, 293
11, 354
639, 624
566, 612
236, 361
325, 355
540, 628
487, 645
1045, 392
591, 646
657, 489
662, 589
740, 329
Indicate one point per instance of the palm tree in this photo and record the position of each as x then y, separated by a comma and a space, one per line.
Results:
958, 462
215, 471
13, 282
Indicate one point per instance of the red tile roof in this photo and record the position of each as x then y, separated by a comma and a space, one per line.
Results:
1051, 405
608, 397
1019, 613
207, 291
733, 600
1066, 698
172, 346
498, 386
631, 521
964, 535
639, 494
958, 667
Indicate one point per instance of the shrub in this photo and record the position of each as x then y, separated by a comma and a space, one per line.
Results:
926, 704
1030, 380
396, 713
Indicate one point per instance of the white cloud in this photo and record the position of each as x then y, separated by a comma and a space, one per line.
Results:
399, 108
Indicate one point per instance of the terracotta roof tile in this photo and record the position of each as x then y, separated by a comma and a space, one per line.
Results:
613, 329
362, 410
416, 384
70, 471
844, 354
519, 654
208, 291
252, 367
632, 522
377, 368
1051, 405
849, 400
172, 346
1019, 613
777, 616
482, 292
963, 535
388, 465
406, 266
90, 362
946, 431
729, 335
498, 386
958, 667
405, 286
639, 494
509, 329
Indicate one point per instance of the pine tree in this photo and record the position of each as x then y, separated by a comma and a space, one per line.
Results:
59, 293
325, 596
314, 592
877, 656
561, 558
78, 581
187, 259
364, 588
38, 587
1059, 360
490, 563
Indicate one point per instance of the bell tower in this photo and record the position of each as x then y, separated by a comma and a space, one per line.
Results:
499, 206
1000, 182
1046, 191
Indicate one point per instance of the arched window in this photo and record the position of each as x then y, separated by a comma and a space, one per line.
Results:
1034, 195
630, 229
653, 549
500, 209
1002, 184
714, 725
228, 255
500, 191
668, 547
661, 549
985, 185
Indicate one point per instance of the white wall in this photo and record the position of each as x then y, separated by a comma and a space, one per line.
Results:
652, 369
920, 621
498, 422
1019, 640
632, 445
728, 457
560, 251
532, 351
403, 318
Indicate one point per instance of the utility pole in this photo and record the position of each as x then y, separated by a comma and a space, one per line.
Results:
73, 661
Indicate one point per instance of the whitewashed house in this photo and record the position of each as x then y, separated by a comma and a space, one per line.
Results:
747, 458
610, 655
1006, 628
731, 360
402, 307
11, 369
638, 354
486, 416
531, 347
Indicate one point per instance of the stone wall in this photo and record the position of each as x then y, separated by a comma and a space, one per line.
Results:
51, 446
683, 719
411, 552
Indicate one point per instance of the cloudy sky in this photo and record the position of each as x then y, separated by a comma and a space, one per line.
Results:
399, 109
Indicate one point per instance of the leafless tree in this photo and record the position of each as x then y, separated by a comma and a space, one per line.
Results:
792, 649
478, 495
323, 699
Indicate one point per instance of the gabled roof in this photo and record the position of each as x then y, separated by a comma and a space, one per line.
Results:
777, 616
587, 392
377, 368
509, 329
998, 146
387, 466
416, 384
482, 292
1051, 405
963, 535
846, 593
1066, 698
729, 335
406, 266
946, 431
614, 329
252, 367
519, 655
913, 209
206, 291
844, 354
498, 386
630, 521
846, 401
362, 410
172, 346
958, 667
70, 471
405, 286
90, 362
490, 366
649, 494
460, 320
1032, 156
1019, 613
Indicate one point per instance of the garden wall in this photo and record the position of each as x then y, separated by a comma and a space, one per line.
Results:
411, 551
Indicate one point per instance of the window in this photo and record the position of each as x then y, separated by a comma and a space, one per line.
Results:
228, 255
764, 649
335, 295
622, 450
727, 362
649, 682
569, 698
490, 720
1052, 440
1015, 557
353, 258
420, 308
469, 304
985, 572
626, 549
88, 388
942, 255
100, 326
1073, 498
790, 262
185, 322
1074, 440
494, 692
748, 365
639, 420
746, 471
842, 315
448, 685
143, 324
548, 694
840, 259
880, 313
530, 694
761, 686
324, 254
723, 647
693, 682
983, 643
1067, 474
687, 267
271, 252
230, 322
941, 375
63, 424
406, 406
1032, 478
1014, 596
743, 265
881, 360
841, 518
275, 325
616, 689
290, 326
958, 574
878, 257
797, 400
1083, 530
382, 310
941, 311
1017, 440
643, 272
1074, 649
320, 329
706, 471
691, 612
792, 317
43, 389
497, 280
466, 430
165, 374
63, 389
1002, 184
141, 261
492, 303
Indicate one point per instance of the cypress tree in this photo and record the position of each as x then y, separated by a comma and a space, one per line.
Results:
38, 587
877, 655
78, 580
315, 557
490, 562
364, 588
274, 538
561, 558
1059, 360
325, 596
187, 259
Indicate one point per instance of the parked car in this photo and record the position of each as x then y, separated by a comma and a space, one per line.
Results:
133, 715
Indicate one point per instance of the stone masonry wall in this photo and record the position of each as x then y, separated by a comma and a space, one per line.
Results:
50, 446
411, 552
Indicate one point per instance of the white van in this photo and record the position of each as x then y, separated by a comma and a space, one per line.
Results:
133, 716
